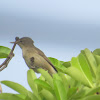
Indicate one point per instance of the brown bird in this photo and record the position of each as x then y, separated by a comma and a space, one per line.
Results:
33, 56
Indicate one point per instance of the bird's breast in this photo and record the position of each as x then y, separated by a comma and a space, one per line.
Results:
27, 55
33, 59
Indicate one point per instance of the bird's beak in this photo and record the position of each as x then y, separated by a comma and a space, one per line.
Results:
12, 42
15, 42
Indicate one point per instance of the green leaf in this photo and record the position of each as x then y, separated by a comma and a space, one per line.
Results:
28, 98
9, 96
59, 88
75, 63
91, 60
67, 64
92, 91
47, 76
32, 96
56, 63
77, 75
5, 96
21, 96
30, 78
96, 54
47, 95
60, 61
57, 77
15, 97
71, 82
15, 86
97, 57
4, 52
85, 69
71, 91
93, 97
42, 78
64, 80
98, 76
43, 84
81, 66
80, 93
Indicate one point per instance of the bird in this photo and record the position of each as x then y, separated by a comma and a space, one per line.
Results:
33, 56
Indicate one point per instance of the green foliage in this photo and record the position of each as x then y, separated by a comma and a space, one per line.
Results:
4, 52
15, 86
61, 89
78, 79
96, 54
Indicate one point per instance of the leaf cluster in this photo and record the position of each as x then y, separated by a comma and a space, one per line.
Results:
78, 79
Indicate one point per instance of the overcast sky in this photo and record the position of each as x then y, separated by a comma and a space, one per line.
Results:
60, 28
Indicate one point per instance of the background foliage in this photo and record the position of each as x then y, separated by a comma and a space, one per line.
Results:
78, 79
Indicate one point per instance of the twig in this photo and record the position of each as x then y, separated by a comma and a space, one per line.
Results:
0, 89
5, 63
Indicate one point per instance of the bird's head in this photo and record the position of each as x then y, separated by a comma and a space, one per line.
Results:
24, 42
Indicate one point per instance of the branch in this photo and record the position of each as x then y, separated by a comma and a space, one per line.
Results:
5, 63
0, 89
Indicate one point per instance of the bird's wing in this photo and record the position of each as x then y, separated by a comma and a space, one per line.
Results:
44, 56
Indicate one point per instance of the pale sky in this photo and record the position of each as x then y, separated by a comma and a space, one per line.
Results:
53, 9
60, 28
